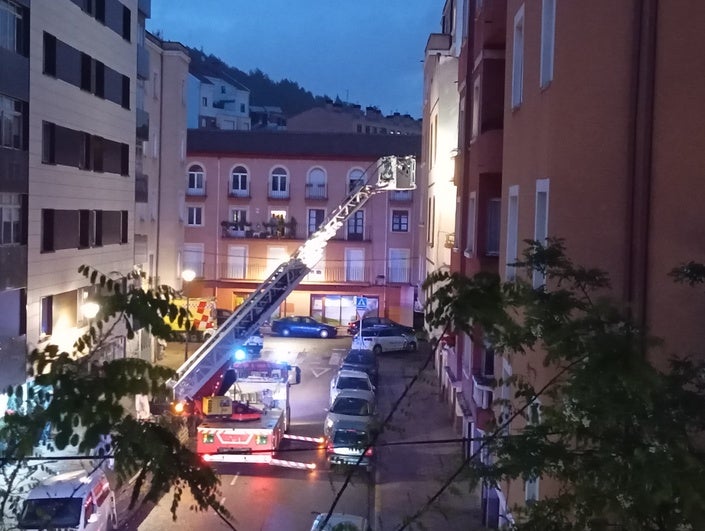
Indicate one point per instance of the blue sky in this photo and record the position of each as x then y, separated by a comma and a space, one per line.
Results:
366, 51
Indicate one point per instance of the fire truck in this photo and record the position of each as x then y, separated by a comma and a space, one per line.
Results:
202, 385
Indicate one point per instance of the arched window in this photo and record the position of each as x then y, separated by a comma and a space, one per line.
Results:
196, 181
239, 186
355, 177
279, 183
316, 184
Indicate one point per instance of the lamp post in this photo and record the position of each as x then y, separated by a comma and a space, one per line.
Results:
187, 275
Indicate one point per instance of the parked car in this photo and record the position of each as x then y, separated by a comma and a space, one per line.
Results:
361, 360
302, 326
350, 404
349, 522
376, 322
347, 444
349, 380
381, 340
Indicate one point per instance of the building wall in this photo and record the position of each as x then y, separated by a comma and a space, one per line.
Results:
378, 237
61, 187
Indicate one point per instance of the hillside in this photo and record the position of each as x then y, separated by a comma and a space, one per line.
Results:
285, 93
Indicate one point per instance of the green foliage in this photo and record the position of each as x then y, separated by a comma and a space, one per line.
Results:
621, 439
90, 397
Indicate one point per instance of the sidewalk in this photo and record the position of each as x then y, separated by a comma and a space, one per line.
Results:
408, 475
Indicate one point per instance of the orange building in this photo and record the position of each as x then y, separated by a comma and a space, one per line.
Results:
580, 120
254, 197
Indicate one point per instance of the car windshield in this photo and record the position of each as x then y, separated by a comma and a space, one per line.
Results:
42, 513
351, 406
350, 382
360, 358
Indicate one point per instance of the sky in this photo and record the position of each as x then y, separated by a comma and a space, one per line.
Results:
368, 52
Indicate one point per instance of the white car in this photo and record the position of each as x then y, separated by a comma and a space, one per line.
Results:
385, 339
350, 521
350, 404
349, 380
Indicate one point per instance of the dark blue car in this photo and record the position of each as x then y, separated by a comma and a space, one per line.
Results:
302, 326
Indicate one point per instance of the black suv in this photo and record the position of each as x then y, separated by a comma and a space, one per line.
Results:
363, 360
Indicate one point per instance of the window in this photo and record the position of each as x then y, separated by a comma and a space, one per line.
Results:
476, 108
399, 265
238, 216
10, 215
315, 218
196, 181
400, 221
494, 208
237, 261
238, 182
204, 101
12, 119
431, 221
518, 59
470, 238
354, 265
194, 216
356, 226
11, 27
355, 179
548, 40
541, 224
316, 184
512, 231
193, 258
279, 185
47, 315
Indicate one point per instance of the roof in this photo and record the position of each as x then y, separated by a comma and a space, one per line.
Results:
68, 485
356, 393
302, 144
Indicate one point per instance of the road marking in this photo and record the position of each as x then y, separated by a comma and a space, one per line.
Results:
319, 372
235, 478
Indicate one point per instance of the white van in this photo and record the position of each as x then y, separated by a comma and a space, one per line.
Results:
76, 500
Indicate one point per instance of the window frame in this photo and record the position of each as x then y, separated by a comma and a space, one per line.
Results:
11, 207
548, 42
518, 59
196, 175
400, 220
279, 182
355, 226
511, 254
240, 177
470, 238
309, 221
197, 220
541, 212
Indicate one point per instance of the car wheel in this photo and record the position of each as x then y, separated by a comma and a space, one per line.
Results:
412, 346
377, 349
323, 334
286, 332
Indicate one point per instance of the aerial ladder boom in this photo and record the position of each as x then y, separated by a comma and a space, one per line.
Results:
205, 372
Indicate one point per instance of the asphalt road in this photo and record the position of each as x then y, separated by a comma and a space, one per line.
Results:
262, 497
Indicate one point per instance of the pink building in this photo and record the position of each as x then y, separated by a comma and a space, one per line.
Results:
252, 198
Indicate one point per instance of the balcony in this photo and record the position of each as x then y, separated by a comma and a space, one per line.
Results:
439, 43
142, 62
278, 194
482, 391
256, 272
141, 188
400, 196
196, 192
239, 194
277, 230
316, 191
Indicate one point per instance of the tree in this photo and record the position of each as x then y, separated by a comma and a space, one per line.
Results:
621, 440
90, 397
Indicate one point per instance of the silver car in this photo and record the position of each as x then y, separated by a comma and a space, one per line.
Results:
381, 340
350, 405
349, 380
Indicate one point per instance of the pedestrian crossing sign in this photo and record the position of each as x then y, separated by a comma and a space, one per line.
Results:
361, 303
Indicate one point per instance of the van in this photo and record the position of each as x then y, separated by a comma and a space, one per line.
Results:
76, 500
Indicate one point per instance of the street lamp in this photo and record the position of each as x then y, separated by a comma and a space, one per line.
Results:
90, 310
187, 275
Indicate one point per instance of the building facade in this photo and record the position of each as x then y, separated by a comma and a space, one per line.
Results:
580, 122
253, 198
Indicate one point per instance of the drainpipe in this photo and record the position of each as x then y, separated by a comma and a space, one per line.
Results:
217, 238
640, 158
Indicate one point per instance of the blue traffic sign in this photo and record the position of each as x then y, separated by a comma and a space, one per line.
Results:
361, 303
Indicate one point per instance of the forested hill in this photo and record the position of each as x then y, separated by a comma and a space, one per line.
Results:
285, 93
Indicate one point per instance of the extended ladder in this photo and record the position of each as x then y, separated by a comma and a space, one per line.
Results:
202, 374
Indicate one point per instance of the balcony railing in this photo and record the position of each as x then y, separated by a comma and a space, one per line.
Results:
196, 192
316, 191
270, 230
239, 193
400, 196
482, 391
279, 194
335, 275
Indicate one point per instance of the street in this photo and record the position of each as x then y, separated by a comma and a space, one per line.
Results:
262, 497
